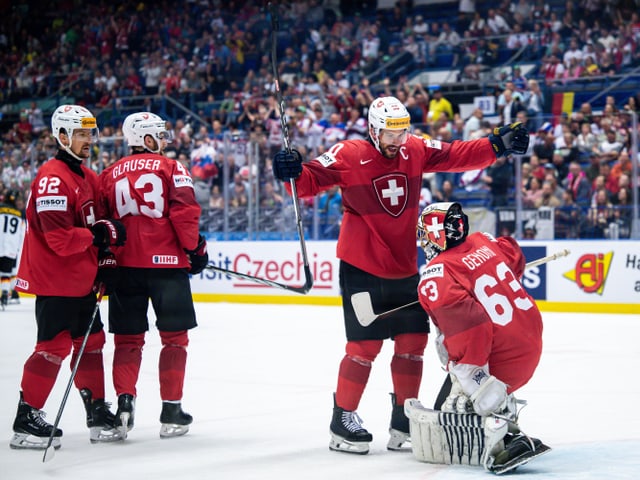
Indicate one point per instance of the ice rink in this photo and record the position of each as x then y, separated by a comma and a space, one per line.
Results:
259, 385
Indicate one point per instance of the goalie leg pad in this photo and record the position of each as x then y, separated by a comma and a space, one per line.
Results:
445, 438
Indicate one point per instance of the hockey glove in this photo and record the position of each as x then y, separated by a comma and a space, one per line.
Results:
199, 258
287, 165
509, 139
108, 272
107, 233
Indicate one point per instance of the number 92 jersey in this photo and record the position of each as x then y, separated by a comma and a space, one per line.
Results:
473, 294
153, 196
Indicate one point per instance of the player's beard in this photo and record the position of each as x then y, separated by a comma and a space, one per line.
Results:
390, 151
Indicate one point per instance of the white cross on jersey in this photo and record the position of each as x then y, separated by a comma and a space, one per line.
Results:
435, 227
393, 192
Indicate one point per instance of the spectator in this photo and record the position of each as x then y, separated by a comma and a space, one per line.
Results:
599, 216
577, 182
499, 178
533, 193
547, 197
567, 218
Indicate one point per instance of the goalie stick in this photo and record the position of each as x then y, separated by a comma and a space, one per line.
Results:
287, 146
49, 452
363, 307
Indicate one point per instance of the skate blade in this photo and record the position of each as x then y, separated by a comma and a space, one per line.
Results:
24, 441
399, 441
169, 430
521, 460
339, 444
104, 435
124, 424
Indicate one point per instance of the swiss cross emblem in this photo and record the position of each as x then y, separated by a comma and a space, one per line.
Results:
392, 192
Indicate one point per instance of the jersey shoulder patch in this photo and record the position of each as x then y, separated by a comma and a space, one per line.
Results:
431, 143
326, 159
433, 270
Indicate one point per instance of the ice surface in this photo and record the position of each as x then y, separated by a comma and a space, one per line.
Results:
259, 385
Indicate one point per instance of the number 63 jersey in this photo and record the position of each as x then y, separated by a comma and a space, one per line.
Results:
153, 196
473, 294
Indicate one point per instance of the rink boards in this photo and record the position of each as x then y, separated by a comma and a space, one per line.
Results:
597, 276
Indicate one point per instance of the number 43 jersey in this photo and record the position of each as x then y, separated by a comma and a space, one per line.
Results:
473, 294
154, 198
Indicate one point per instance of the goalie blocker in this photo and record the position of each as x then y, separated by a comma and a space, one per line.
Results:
468, 439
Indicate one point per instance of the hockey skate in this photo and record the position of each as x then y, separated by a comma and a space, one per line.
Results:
347, 433
519, 449
124, 415
30, 429
100, 420
175, 422
399, 439
4, 299
15, 297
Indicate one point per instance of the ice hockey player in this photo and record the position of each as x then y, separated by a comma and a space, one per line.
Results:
489, 339
10, 242
154, 198
380, 180
59, 264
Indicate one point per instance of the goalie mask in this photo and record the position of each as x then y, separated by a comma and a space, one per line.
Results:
440, 226
388, 116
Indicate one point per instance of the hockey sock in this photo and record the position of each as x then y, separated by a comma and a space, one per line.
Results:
172, 364
90, 373
127, 357
42, 367
354, 372
406, 365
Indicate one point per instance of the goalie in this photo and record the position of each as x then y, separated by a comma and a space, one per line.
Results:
489, 338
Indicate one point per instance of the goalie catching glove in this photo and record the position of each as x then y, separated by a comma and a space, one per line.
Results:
287, 165
513, 138
198, 257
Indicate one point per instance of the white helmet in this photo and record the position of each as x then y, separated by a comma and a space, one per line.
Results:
387, 113
68, 118
138, 125
441, 225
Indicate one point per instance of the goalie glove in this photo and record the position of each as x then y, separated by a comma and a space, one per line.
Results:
486, 393
513, 138
457, 401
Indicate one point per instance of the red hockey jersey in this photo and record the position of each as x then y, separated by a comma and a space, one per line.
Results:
473, 295
381, 196
58, 256
153, 196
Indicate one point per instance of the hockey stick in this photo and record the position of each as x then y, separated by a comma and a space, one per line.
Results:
363, 307
287, 146
303, 289
49, 452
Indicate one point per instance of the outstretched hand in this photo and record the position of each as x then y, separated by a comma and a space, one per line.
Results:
513, 138
287, 165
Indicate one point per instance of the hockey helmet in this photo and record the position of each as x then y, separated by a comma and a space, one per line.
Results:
11, 196
138, 125
387, 113
68, 118
441, 225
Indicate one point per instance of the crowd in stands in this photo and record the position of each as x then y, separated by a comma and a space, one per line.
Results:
213, 58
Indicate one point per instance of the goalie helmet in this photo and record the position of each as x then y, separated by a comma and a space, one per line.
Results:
68, 118
387, 113
138, 125
440, 226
